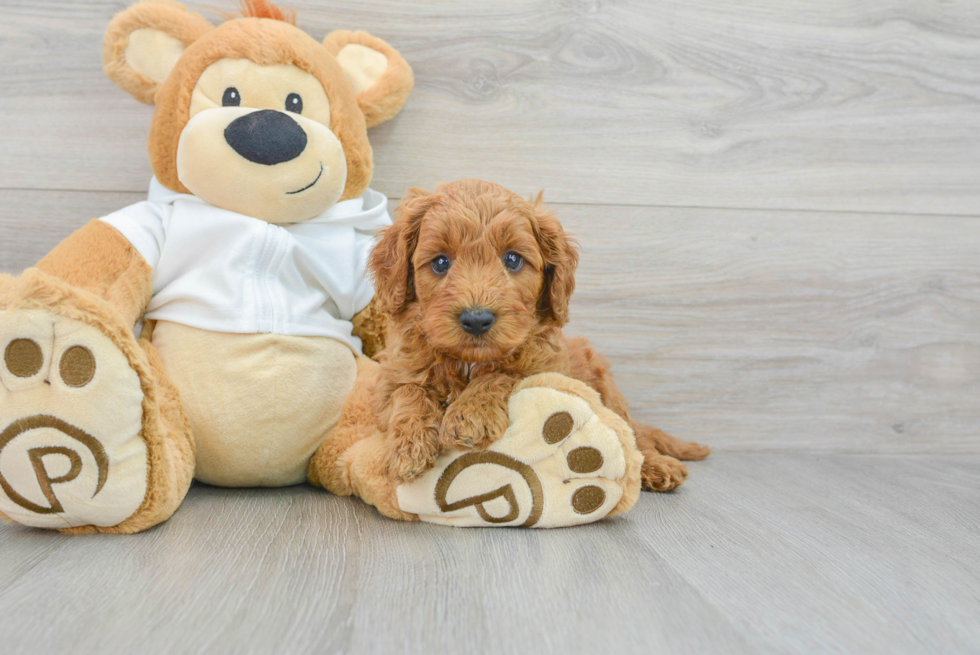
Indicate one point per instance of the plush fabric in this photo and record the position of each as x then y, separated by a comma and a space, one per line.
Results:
97, 436
153, 53
264, 42
370, 324
100, 260
380, 93
253, 294
282, 163
51, 417
306, 279
368, 66
261, 409
170, 19
169, 445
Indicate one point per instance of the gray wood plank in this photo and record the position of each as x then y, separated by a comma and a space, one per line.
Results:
34, 222
855, 554
868, 106
22, 550
296, 570
748, 330
768, 331
790, 553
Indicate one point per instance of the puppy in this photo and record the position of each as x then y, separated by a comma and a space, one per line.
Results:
477, 281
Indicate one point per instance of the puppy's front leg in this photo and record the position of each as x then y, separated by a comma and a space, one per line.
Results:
479, 416
413, 433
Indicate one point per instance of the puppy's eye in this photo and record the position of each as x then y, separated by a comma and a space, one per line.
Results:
294, 103
440, 264
513, 261
231, 98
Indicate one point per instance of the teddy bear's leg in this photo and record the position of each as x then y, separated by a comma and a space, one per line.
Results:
92, 436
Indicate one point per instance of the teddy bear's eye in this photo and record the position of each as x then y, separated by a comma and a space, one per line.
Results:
294, 103
231, 98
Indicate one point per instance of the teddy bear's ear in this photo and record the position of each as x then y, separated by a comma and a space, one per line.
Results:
143, 43
381, 78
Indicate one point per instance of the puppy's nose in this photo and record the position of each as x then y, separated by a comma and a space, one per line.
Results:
266, 137
476, 320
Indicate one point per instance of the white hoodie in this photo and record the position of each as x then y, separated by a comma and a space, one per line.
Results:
226, 272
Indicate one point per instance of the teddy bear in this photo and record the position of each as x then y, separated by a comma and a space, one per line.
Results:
211, 331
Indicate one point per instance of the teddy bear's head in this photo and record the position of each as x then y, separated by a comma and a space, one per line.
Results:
254, 115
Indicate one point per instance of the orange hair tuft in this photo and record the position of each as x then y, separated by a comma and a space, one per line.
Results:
265, 9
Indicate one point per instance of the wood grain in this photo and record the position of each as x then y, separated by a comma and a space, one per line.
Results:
767, 331
759, 553
748, 330
845, 338
871, 106
34, 222
815, 553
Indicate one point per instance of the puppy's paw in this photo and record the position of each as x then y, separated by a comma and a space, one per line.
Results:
405, 460
662, 472
468, 426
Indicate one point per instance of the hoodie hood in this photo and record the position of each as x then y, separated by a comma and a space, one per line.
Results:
367, 213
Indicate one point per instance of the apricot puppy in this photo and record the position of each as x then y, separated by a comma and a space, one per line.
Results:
477, 281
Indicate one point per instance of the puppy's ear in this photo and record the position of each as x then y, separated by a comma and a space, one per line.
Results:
391, 259
143, 43
381, 77
560, 260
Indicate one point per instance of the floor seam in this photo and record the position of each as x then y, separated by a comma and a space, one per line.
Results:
784, 210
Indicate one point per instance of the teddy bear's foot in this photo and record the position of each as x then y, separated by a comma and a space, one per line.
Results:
71, 413
92, 434
565, 460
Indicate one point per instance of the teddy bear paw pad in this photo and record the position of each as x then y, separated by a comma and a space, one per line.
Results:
560, 463
71, 411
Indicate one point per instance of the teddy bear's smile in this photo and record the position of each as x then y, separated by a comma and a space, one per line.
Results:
318, 176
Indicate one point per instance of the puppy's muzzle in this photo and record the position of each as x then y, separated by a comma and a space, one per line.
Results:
266, 137
477, 320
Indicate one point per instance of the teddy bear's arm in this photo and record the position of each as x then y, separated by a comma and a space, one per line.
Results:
99, 259
370, 325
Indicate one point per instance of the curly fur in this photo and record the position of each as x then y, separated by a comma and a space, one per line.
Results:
441, 387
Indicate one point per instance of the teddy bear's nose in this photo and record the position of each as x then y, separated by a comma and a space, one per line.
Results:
266, 137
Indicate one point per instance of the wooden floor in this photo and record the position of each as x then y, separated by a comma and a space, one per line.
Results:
778, 204
776, 553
